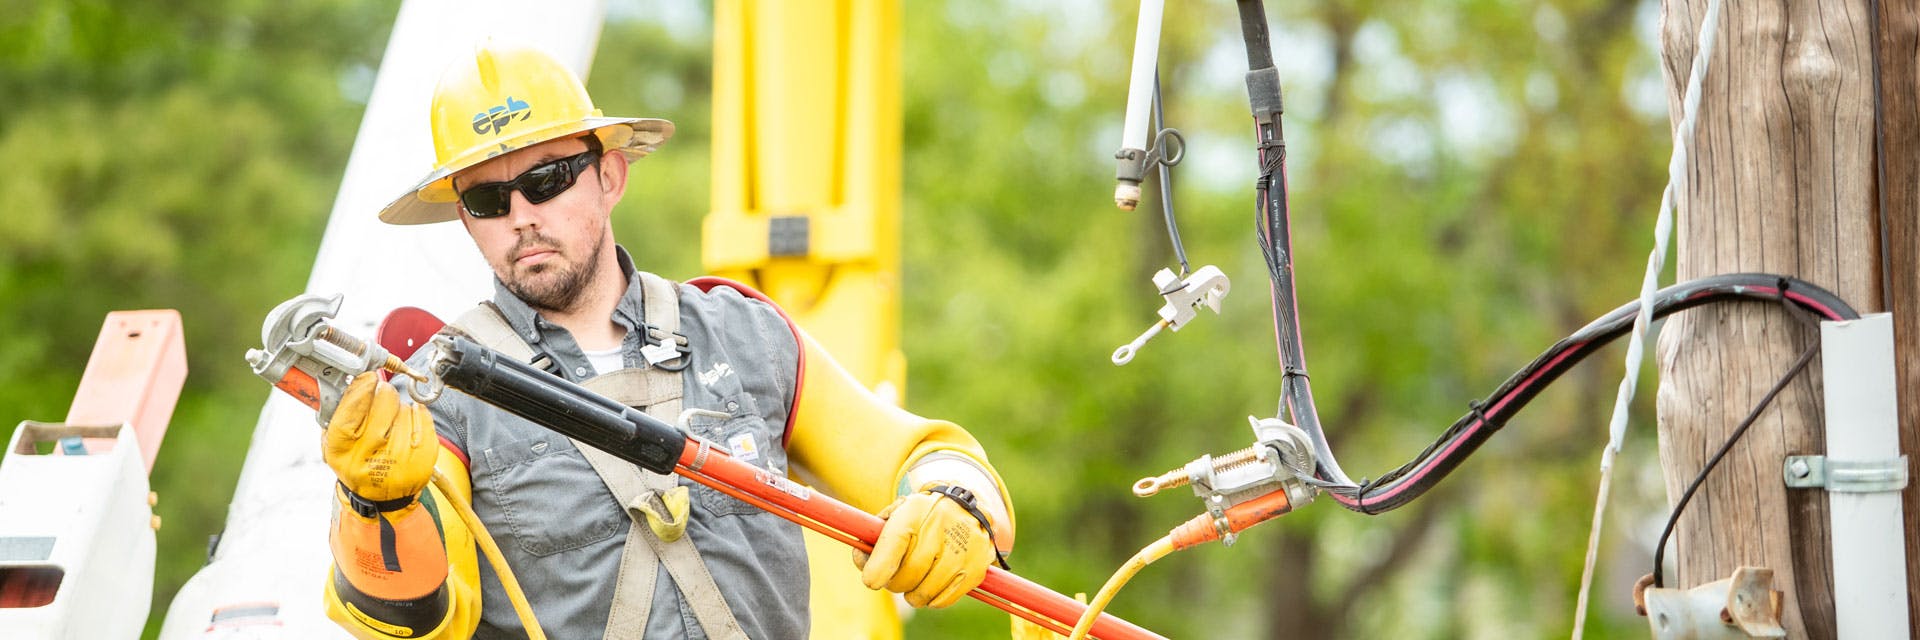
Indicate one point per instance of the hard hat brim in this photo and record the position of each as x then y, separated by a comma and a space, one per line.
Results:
434, 200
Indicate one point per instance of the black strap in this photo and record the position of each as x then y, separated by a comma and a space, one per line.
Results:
368, 508
966, 499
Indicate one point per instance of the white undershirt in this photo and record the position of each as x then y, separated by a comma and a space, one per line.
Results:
606, 361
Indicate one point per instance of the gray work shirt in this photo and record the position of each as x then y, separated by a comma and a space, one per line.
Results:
559, 526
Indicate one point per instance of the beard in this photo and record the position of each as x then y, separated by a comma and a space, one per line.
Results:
554, 285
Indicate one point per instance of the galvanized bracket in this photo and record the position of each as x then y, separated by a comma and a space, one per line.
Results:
1846, 476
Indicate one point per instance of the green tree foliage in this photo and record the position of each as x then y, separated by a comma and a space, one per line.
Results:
170, 155
1471, 181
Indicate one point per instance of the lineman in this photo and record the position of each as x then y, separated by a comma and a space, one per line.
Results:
532, 170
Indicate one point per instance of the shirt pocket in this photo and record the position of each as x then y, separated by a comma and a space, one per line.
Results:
743, 436
549, 497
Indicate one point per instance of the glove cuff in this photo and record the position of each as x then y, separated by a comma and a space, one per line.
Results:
960, 468
369, 508
971, 504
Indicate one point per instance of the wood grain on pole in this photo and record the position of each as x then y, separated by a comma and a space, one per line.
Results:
1899, 45
1781, 181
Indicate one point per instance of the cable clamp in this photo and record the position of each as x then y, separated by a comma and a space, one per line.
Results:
1477, 410
1846, 476
1217, 507
1207, 287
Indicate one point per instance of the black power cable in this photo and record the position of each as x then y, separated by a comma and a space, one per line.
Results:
1880, 163
1660, 549
1486, 417
1276, 244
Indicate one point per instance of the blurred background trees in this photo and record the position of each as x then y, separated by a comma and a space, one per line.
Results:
1471, 181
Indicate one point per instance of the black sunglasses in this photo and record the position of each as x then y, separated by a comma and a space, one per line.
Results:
543, 182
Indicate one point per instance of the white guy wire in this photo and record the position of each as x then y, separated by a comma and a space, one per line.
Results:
1656, 262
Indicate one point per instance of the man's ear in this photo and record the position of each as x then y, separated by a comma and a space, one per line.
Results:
613, 177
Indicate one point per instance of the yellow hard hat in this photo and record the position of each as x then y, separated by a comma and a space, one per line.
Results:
504, 99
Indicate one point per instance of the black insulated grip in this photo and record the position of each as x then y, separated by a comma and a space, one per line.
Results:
1263, 93
565, 407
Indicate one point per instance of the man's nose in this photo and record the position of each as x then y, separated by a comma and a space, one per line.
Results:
520, 212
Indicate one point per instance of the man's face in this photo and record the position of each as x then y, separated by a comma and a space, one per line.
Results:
547, 253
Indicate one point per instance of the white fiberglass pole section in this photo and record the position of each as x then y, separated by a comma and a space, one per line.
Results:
1869, 547
271, 560
1133, 134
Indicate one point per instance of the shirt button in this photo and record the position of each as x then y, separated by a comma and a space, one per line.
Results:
732, 406
580, 371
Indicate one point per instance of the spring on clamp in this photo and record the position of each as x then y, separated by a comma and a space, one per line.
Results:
313, 361
1274, 463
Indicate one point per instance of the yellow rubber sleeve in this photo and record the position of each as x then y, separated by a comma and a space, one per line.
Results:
462, 571
861, 447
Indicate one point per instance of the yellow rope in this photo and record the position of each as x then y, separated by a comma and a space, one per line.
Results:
1155, 551
492, 551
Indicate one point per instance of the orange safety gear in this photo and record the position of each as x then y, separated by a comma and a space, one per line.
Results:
509, 98
437, 595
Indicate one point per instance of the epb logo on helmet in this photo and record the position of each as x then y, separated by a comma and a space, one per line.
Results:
496, 118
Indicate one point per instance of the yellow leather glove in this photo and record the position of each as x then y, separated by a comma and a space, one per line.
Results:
382, 451
932, 549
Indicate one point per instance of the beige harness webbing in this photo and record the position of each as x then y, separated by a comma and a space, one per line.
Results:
658, 392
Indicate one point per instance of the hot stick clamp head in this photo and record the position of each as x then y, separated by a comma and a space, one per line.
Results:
308, 358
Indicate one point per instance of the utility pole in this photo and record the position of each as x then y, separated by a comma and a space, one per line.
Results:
1785, 177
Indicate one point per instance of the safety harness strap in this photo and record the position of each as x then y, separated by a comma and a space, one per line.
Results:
631, 486
485, 325
658, 391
